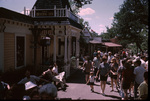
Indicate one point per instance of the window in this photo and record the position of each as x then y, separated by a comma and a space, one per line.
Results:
20, 51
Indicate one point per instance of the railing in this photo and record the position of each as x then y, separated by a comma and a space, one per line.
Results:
56, 12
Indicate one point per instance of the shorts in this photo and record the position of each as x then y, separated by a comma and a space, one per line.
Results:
103, 78
91, 83
114, 77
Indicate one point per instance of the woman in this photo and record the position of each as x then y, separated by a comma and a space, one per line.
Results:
87, 66
104, 70
127, 75
113, 73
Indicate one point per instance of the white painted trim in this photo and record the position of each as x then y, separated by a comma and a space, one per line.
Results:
16, 52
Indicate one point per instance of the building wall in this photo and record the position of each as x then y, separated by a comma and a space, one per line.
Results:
29, 50
9, 51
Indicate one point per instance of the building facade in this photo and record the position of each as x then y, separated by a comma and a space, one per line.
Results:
48, 33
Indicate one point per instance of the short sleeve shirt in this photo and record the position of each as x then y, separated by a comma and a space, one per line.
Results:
104, 68
143, 89
32, 78
139, 72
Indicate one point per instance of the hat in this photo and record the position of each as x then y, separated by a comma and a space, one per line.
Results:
29, 85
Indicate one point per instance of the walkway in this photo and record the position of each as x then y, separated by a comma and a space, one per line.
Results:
78, 90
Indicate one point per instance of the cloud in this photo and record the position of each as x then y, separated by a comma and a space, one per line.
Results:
101, 25
86, 11
111, 18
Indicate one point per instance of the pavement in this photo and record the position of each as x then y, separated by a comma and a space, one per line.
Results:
78, 90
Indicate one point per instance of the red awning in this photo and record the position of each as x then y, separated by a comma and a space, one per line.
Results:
110, 44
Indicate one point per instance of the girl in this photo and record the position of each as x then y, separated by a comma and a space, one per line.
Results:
91, 80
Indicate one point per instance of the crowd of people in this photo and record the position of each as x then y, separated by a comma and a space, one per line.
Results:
32, 87
128, 72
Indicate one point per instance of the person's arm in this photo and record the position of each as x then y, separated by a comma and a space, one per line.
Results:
97, 73
88, 81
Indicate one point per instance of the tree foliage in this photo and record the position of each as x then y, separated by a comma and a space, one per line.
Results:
130, 24
76, 4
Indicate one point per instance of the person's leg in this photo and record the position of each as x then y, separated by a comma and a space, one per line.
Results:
92, 89
115, 80
135, 89
104, 86
101, 83
125, 94
112, 84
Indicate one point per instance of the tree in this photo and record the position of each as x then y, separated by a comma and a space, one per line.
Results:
130, 21
76, 4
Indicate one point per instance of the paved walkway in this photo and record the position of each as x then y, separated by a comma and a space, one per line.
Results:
78, 90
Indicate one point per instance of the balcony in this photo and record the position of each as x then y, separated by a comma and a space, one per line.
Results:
51, 13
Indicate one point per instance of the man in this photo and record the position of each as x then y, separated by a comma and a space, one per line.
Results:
109, 57
138, 73
143, 59
143, 88
31, 78
96, 62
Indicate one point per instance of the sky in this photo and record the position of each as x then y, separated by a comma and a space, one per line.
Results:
99, 14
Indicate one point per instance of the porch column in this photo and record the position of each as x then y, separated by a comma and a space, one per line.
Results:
69, 53
77, 52
54, 53
65, 56
2, 27
69, 48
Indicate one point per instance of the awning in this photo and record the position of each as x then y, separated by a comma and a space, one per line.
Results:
110, 44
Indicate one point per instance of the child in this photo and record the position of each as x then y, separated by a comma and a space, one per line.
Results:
91, 80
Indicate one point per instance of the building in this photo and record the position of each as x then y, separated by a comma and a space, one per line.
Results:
49, 32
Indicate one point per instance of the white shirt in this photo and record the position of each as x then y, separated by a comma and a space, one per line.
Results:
55, 69
143, 63
92, 78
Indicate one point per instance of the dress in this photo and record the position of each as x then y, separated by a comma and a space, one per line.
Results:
127, 75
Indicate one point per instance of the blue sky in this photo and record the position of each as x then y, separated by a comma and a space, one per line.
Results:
99, 14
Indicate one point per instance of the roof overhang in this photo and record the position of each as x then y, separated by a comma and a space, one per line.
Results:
110, 44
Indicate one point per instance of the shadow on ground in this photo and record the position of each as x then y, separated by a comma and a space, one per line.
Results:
77, 77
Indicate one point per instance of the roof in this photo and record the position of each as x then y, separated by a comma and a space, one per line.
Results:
12, 15
110, 44
49, 4
96, 40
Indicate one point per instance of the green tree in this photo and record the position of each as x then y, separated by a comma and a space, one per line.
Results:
76, 4
130, 22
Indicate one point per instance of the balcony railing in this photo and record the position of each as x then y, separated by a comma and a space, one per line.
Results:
56, 12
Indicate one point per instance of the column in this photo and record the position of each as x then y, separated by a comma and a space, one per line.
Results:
65, 56
77, 52
54, 53
69, 48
